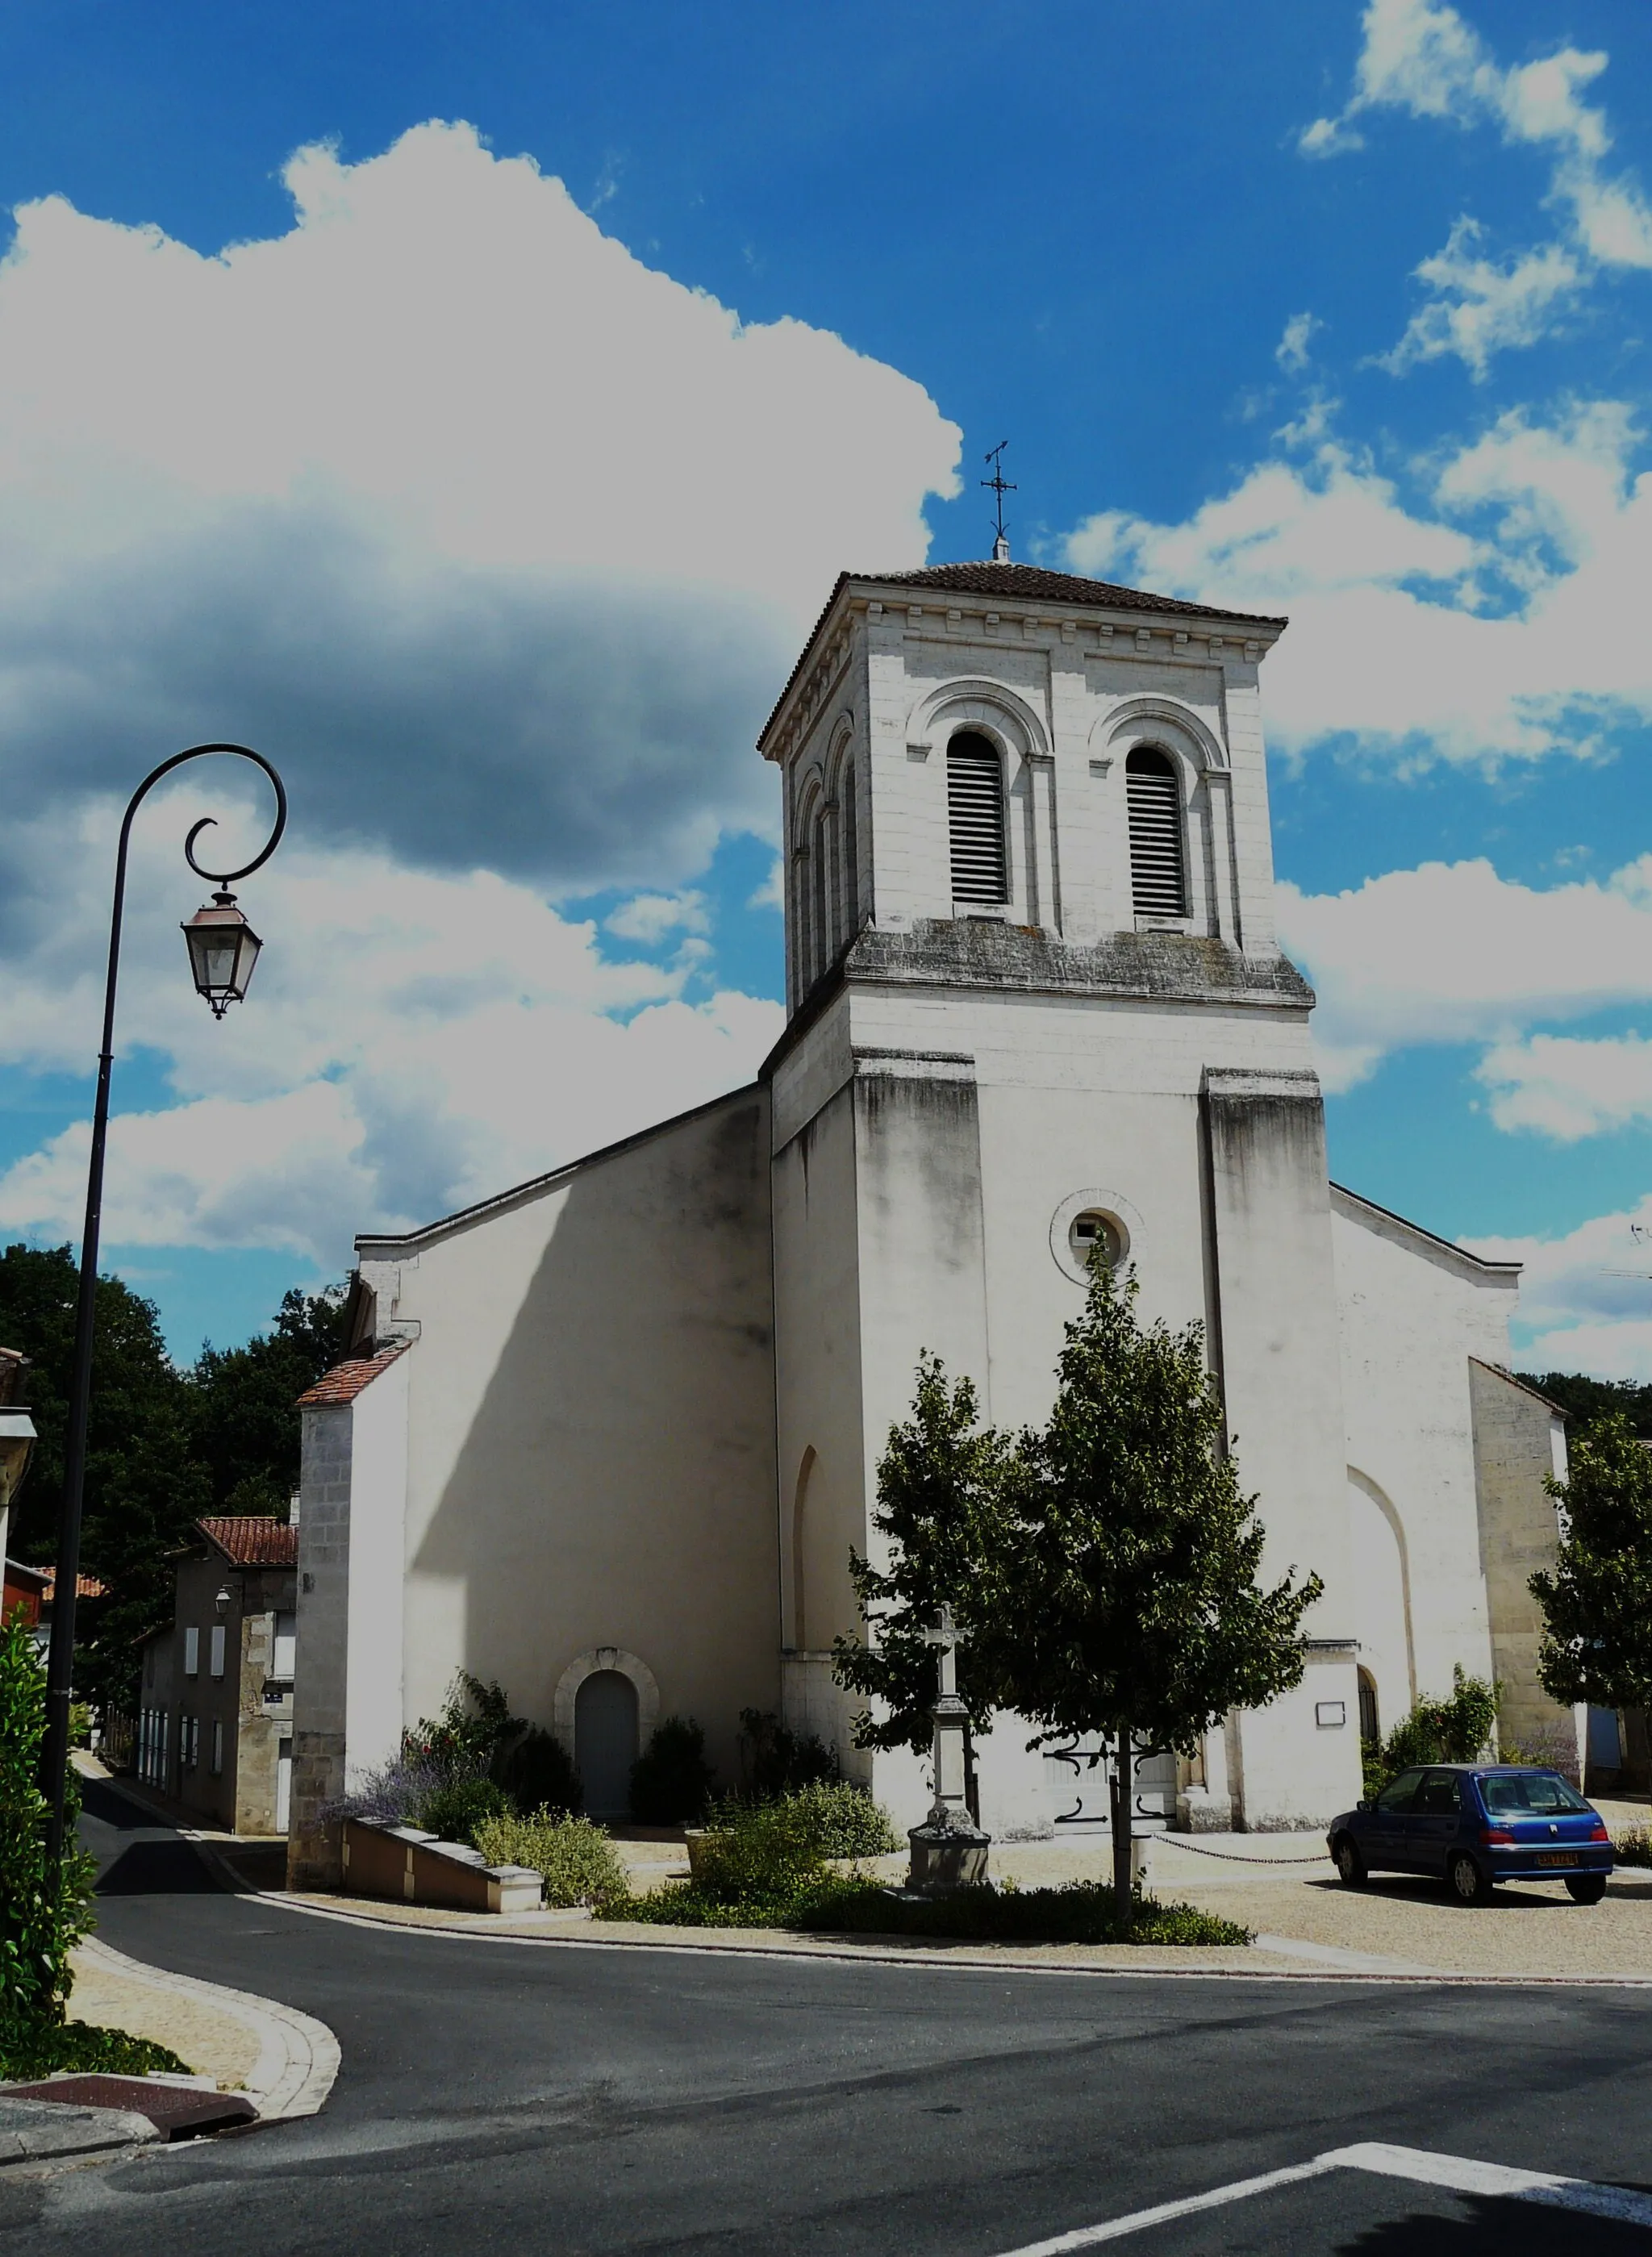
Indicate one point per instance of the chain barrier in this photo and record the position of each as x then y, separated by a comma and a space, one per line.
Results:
1235, 1857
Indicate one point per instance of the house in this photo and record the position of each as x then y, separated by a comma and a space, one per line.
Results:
214, 1723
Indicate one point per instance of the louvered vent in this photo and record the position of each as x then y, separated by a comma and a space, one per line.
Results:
1158, 886
975, 815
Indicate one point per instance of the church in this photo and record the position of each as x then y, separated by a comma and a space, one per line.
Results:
609, 1437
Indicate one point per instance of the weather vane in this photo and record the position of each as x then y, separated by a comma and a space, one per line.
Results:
1000, 486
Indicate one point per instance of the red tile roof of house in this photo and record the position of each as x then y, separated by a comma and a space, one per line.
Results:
19, 1572
345, 1381
252, 1540
86, 1587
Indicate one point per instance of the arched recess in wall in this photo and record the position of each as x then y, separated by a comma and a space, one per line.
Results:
586, 1664
841, 788
1381, 1562
998, 712
806, 887
799, 1580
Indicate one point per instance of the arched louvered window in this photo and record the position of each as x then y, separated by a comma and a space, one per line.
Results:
820, 886
1158, 877
975, 819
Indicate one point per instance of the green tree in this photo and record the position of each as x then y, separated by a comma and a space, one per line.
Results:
244, 1399
942, 1492
1597, 1605
43, 1914
1123, 1599
1584, 1400
143, 1485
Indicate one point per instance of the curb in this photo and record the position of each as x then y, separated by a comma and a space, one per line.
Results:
975, 1960
298, 2057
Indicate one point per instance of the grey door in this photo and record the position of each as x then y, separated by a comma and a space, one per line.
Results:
605, 1742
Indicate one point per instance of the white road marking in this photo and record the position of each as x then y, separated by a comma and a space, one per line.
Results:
1460, 2173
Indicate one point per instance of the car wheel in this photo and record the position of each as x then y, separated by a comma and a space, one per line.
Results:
1469, 1885
1588, 1888
1350, 1865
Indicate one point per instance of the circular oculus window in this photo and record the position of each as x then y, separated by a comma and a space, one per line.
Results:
1088, 1221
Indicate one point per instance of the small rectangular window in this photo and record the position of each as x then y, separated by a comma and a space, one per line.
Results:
218, 1649
217, 1744
285, 1656
192, 1652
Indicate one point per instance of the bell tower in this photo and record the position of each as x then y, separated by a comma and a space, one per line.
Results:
1034, 999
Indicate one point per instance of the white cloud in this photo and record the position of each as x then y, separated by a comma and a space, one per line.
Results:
1585, 1297
1567, 1087
1393, 642
494, 539
1453, 953
412, 1042
651, 918
1424, 59
1480, 308
1291, 351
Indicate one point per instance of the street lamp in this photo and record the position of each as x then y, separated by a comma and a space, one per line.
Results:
223, 950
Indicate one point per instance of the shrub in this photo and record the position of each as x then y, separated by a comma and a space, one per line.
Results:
774, 1761
537, 1773
454, 1812
671, 1779
576, 1858
1082, 1912
1633, 1846
1454, 1729
838, 1818
88, 2049
43, 1913
764, 1858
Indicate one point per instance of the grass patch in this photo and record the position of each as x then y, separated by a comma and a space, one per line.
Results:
87, 2048
1082, 1912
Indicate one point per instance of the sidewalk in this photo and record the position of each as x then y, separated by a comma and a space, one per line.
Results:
284, 2061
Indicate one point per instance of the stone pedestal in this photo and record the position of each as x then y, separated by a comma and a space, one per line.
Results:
946, 1856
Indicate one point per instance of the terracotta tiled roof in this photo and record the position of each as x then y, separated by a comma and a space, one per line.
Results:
252, 1540
1019, 582
345, 1381
86, 1587
18, 1572
1015, 583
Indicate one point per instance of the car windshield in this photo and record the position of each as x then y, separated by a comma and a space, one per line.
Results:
1523, 1793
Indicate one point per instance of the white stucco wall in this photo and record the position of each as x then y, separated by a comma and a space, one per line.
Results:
1412, 1311
373, 1697
589, 1455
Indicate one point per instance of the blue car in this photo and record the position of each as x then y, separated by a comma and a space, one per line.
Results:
1472, 1825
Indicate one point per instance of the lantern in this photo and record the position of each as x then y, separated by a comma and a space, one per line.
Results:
223, 950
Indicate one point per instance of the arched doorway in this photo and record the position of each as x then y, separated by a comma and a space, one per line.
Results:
605, 1742
1369, 1713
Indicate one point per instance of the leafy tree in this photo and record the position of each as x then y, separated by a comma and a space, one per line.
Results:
943, 1491
43, 1914
1584, 1400
1123, 1599
1597, 1603
671, 1779
246, 1425
143, 1486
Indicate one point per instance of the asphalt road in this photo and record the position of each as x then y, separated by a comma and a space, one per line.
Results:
500, 2096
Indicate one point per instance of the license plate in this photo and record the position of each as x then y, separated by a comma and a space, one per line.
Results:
1555, 1857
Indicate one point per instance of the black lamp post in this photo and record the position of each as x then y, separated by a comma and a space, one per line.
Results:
222, 951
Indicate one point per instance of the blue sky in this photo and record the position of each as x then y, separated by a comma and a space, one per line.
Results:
1336, 309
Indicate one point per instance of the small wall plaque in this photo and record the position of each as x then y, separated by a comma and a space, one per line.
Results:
1330, 1715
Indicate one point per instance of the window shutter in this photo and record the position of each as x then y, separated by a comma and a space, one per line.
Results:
217, 1650
192, 1651
1158, 887
975, 814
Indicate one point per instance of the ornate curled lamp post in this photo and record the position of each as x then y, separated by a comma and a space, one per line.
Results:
223, 950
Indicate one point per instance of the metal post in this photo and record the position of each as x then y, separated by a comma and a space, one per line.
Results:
60, 1677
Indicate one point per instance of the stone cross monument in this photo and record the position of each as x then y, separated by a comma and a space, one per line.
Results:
948, 1850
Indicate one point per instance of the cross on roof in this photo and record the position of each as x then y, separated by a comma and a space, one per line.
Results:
1000, 486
